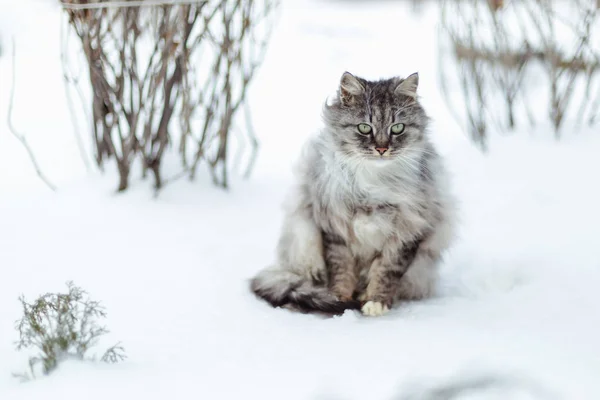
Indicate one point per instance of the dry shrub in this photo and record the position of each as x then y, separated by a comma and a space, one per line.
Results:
166, 77
509, 55
61, 326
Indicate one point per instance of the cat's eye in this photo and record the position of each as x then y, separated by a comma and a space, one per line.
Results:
397, 129
364, 128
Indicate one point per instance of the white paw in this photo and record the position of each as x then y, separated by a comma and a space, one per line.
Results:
374, 309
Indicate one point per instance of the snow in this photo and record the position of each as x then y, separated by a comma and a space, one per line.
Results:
518, 302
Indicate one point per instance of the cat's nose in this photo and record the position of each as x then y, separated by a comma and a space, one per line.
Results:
381, 150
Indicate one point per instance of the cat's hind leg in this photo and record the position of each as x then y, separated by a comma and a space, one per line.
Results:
300, 246
421, 278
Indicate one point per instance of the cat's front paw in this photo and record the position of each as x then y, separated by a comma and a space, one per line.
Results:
374, 309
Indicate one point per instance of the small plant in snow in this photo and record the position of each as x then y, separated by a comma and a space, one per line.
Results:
62, 326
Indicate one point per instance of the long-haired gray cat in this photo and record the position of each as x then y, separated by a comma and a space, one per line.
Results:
371, 215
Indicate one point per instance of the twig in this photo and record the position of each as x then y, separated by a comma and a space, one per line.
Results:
67, 80
253, 140
171, 179
21, 137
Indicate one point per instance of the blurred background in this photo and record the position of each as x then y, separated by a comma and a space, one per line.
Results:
89, 80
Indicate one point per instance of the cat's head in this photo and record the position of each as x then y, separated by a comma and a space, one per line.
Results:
376, 120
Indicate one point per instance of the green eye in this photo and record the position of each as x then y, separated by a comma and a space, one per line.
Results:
364, 128
397, 129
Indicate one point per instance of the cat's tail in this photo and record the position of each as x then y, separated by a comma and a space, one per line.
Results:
281, 287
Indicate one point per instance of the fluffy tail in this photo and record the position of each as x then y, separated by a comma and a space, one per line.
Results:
282, 287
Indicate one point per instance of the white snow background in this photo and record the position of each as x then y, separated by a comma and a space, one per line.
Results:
519, 299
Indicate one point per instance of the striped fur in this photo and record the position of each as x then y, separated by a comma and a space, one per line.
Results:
363, 229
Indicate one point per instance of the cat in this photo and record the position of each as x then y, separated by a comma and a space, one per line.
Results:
371, 215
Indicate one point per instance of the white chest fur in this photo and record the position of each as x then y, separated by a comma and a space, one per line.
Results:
387, 205
371, 230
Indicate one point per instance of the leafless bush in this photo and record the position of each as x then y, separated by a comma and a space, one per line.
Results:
61, 326
507, 54
167, 76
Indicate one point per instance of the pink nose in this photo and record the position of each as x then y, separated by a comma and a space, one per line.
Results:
381, 150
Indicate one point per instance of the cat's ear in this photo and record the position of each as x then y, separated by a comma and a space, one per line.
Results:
408, 86
350, 87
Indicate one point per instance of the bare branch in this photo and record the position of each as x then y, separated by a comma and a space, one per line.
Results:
21, 137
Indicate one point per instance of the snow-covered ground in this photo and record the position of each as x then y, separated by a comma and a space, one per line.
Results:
518, 304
